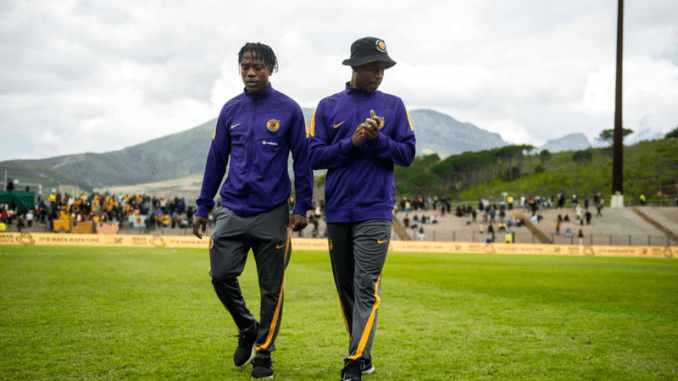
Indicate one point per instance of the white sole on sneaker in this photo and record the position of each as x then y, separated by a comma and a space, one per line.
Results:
249, 360
369, 371
251, 356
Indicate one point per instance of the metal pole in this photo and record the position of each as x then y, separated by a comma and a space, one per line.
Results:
5, 183
618, 150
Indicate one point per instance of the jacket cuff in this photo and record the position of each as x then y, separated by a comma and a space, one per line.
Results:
346, 145
202, 211
300, 210
381, 142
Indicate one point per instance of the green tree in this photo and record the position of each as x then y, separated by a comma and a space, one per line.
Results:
583, 156
608, 135
672, 134
544, 156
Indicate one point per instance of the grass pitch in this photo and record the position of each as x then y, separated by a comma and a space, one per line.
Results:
70, 313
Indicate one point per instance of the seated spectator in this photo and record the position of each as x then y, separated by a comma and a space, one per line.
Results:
568, 233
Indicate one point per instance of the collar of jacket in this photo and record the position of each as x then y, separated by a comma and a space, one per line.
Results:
357, 90
263, 94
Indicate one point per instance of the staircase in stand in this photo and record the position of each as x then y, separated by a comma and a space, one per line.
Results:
543, 238
656, 224
400, 230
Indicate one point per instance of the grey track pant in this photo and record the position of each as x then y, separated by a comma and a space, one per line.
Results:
266, 234
358, 253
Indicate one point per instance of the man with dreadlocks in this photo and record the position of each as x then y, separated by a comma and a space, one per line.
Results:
257, 129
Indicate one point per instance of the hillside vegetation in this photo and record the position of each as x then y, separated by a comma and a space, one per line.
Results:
650, 168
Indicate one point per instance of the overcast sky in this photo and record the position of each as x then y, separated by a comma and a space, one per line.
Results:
96, 76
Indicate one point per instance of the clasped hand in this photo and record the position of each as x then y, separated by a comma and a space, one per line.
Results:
368, 129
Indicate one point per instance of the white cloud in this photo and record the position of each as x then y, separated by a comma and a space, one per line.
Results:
92, 75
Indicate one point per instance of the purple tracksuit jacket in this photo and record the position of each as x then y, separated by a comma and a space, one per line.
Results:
360, 183
258, 131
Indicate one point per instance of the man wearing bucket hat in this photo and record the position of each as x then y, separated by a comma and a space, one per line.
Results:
358, 135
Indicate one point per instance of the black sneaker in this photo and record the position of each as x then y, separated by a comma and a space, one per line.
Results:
353, 371
368, 368
262, 367
245, 352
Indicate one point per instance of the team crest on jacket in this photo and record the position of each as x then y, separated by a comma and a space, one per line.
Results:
273, 125
211, 244
381, 45
329, 242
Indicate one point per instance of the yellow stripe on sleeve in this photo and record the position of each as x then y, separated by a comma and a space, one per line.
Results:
313, 123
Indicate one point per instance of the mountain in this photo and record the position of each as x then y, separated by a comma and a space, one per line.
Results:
579, 141
183, 154
571, 142
172, 156
446, 136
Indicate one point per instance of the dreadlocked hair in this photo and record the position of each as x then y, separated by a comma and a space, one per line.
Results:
260, 51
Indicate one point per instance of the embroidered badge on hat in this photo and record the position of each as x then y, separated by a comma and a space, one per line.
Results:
273, 125
381, 46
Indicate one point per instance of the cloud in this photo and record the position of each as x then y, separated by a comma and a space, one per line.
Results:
92, 75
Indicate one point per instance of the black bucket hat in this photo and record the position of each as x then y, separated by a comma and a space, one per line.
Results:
368, 49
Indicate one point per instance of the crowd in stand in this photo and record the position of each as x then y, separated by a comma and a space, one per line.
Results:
488, 214
161, 212
126, 211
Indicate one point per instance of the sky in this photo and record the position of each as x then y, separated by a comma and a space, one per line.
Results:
97, 76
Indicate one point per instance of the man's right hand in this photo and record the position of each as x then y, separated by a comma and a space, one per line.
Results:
368, 129
199, 226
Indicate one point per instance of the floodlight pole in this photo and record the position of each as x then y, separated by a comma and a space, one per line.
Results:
618, 147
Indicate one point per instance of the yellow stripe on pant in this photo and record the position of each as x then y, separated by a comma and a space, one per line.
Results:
276, 314
370, 323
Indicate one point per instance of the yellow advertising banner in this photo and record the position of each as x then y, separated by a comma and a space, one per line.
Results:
318, 244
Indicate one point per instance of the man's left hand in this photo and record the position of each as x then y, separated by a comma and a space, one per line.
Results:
372, 126
297, 222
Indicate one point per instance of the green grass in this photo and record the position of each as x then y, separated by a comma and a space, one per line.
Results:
71, 313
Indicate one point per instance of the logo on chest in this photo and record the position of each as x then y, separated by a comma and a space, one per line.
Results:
273, 125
